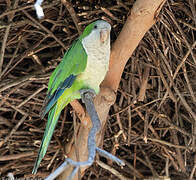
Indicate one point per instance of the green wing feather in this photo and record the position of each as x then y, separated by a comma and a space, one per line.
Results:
62, 88
73, 63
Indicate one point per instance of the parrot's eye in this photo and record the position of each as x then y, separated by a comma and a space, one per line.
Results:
95, 27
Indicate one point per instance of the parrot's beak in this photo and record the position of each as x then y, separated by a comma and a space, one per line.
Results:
104, 34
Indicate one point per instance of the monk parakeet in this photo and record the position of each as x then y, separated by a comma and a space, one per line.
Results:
83, 66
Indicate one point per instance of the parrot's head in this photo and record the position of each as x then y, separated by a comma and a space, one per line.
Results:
97, 32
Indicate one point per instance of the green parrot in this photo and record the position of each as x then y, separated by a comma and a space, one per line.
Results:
83, 66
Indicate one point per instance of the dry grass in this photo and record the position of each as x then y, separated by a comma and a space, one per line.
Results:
152, 125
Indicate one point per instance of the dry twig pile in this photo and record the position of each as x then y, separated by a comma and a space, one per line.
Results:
152, 125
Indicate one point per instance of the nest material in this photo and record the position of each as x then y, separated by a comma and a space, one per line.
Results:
152, 125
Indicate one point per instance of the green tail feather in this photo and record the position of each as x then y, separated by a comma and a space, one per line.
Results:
50, 126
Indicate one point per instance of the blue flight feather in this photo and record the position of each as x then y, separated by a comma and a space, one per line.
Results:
52, 99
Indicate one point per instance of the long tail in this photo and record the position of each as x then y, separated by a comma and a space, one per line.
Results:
50, 126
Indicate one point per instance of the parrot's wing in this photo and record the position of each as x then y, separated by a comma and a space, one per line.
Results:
73, 63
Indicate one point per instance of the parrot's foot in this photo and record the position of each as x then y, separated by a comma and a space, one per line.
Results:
87, 92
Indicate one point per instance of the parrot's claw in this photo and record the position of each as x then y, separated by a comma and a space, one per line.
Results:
89, 92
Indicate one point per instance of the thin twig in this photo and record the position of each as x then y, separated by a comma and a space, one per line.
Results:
112, 170
51, 4
13, 130
16, 156
73, 14
3, 47
44, 28
6, 37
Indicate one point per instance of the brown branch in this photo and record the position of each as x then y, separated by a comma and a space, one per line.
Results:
144, 84
112, 170
14, 129
16, 156
50, 33
2, 51
130, 36
144, 11
72, 12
